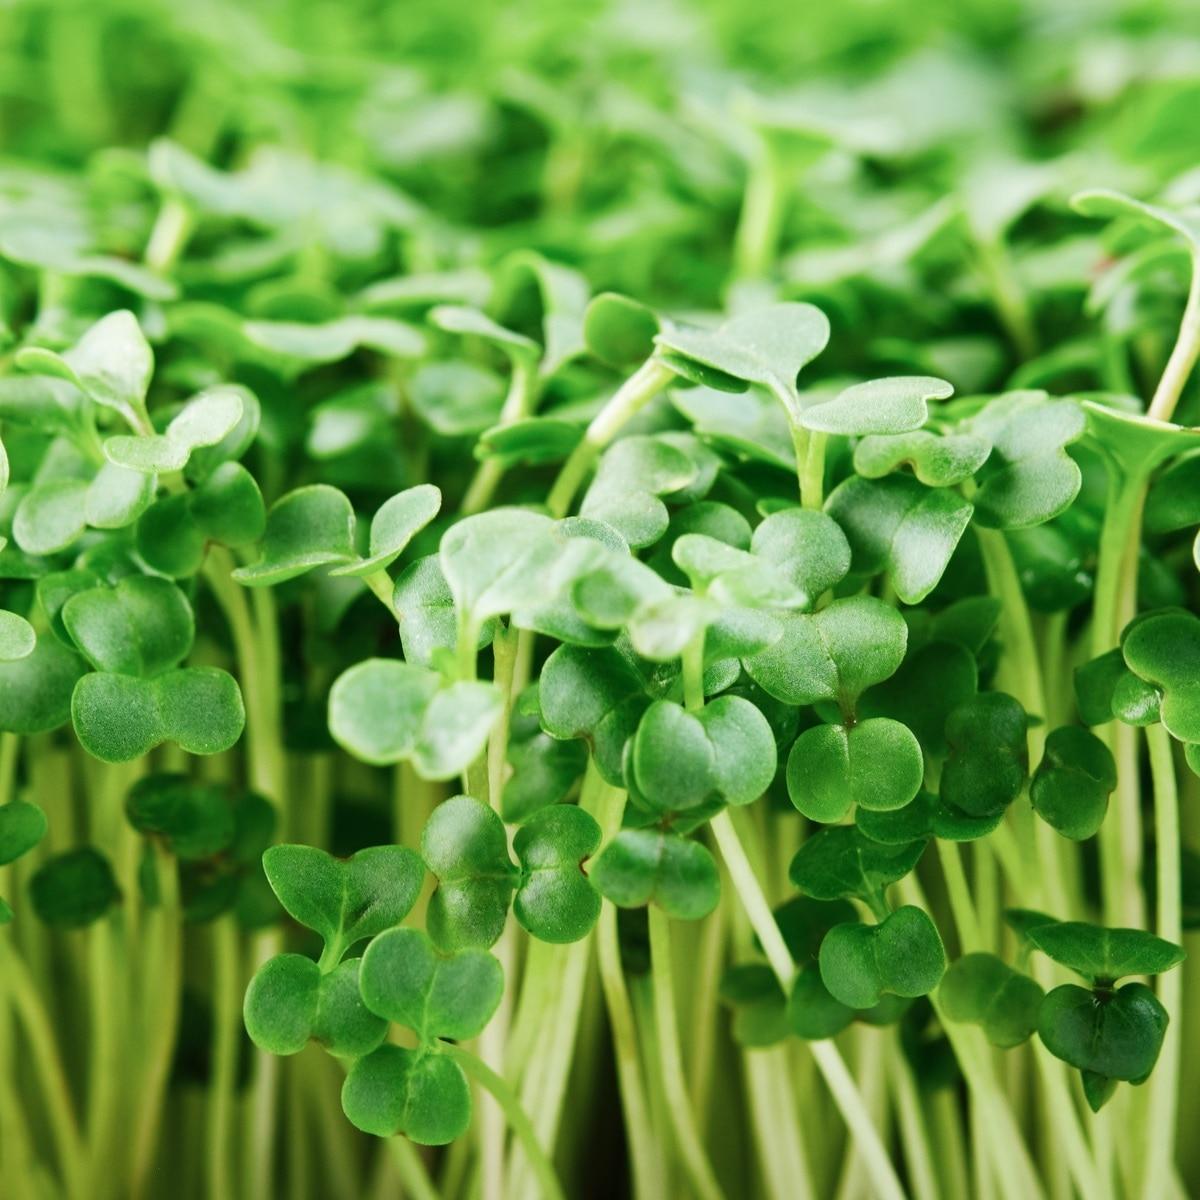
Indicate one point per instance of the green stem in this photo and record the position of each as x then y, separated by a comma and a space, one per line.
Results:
757, 237
1009, 297
380, 583
776, 1124
810, 465
692, 662
56, 1092
918, 1156
688, 1142
829, 1061
1164, 1084
518, 403
227, 1008
648, 1176
161, 997
965, 918
1183, 356
518, 1119
172, 228
629, 399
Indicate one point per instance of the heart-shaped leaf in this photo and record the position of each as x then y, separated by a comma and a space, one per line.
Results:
1072, 784
394, 525
465, 846
112, 363
345, 900
203, 421
680, 759
620, 331
654, 866
121, 717
876, 764
880, 406
841, 863
406, 979
596, 695
1163, 648
1029, 477
989, 754
1105, 955
195, 819
935, 460
116, 497
143, 626
985, 991
35, 690
418, 1093
812, 1011
898, 526
768, 347
555, 900
1116, 1035
901, 956
22, 826
834, 655
808, 547
758, 1003
308, 528
384, 711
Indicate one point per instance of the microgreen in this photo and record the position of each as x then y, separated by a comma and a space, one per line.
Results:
576, 583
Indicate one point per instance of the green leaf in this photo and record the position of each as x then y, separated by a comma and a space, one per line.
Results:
1072, 784
768, 347
1029, 477
118, 718
456, 399
51, 516
227, 506
654, 866
406, 979
169, 539
281, 1002
680, 759
936, 461
620, 331
1105, 955
835, 654
17, 637
841, 863
203, 421
394, 525
901, 956
456, 318
758, 1003
595, 695
808, 548
35, 691
1095, 683
555, 900
1108, 204
112, 363
465, 846
989, 754
630, 478
1163, 648
1117, 1035
981, 989
116, 497
344, 1025
330, 341
812, 1012
900, 527
418, 1093
1173, 501
751, 426
195, 819
74, 889
424, 608
307, 528
345, 900
143, 626
880, 406
22, 826
876, 764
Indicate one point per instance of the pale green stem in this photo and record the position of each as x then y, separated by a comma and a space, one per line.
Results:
829, 1061
1183, 356
957, 888
776, 1124
913, 1131
380, 582
644, 1150
1164, 1083
172, 228
629, 399
518, 1119
518, 403
227, 1009
757, 237
688, 1142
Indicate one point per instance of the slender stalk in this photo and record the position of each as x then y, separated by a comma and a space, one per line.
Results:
644, 1150
518, 1119
629, 399
688, 1144
918, 1156
1164, 1083
518, 403
776, 1125
850, 1103
52, 1078
227, 1008
1183, 356
757, 238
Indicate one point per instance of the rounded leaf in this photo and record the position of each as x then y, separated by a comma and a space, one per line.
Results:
653, 866
1072, 784
73, 889
420, 1094
281, 1003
